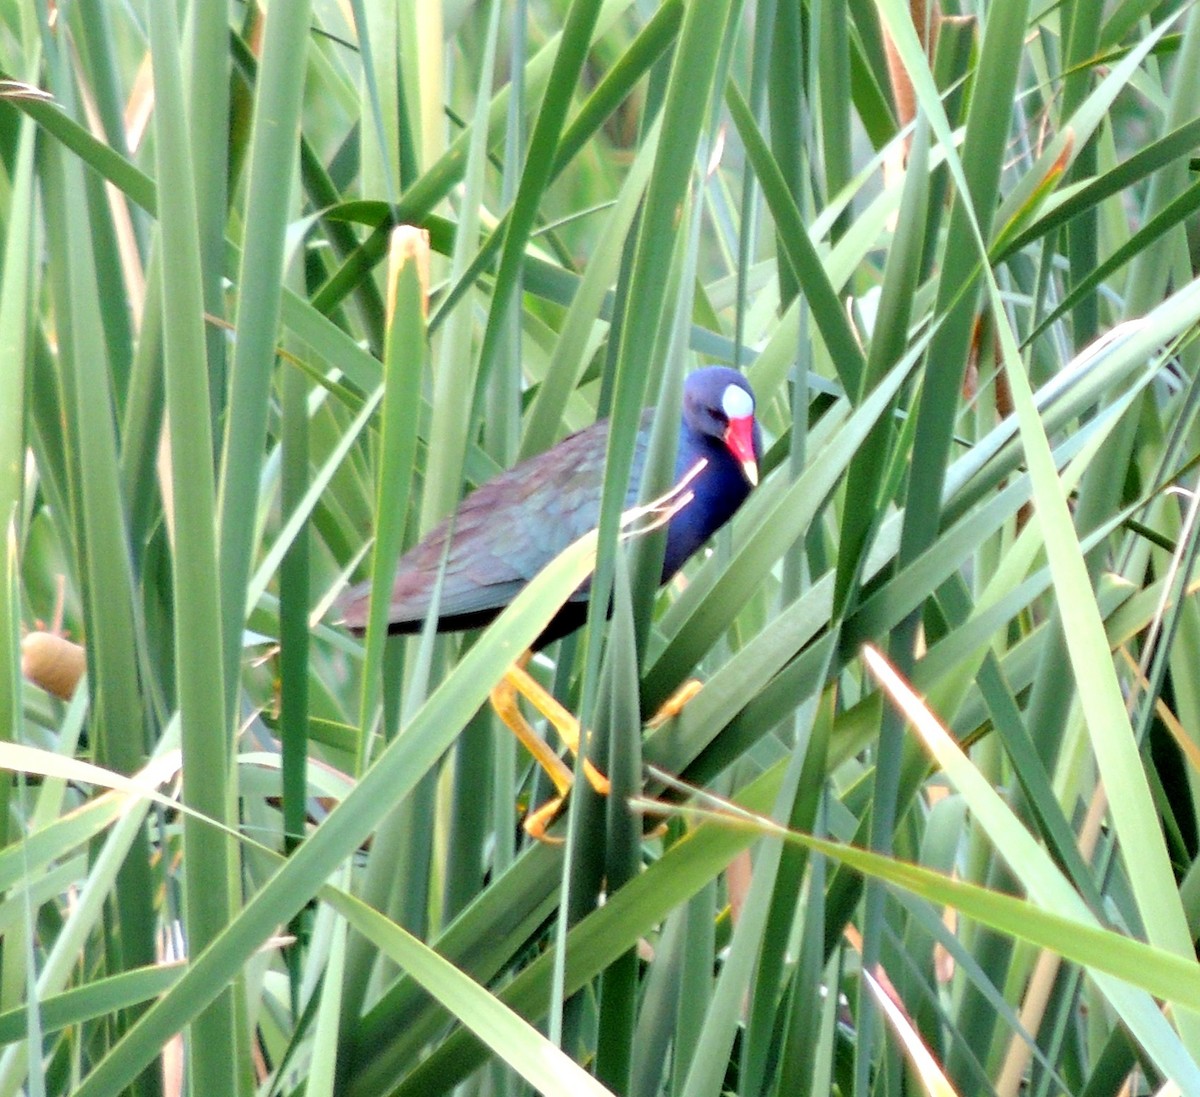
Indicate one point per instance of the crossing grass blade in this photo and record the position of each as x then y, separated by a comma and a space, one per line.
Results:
209, 861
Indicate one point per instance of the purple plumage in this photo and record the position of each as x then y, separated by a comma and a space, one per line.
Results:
509, 528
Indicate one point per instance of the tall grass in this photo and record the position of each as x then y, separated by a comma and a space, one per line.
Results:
931, 823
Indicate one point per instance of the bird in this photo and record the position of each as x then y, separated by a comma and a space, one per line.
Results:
509, 528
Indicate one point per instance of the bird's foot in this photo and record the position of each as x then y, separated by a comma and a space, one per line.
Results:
504, 701
674, 704
520, 681
517, 680
538, 822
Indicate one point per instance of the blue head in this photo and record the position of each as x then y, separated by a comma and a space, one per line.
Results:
718, 427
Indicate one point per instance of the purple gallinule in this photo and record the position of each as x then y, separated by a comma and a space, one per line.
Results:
509, 528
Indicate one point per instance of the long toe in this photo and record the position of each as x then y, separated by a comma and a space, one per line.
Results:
537, 822
674, 704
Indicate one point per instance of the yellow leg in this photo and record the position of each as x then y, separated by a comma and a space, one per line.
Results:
673, 705
504, 701
667, 712
565, 724
537, 821
517, 680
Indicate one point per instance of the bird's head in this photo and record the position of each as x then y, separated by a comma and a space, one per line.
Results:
719, 403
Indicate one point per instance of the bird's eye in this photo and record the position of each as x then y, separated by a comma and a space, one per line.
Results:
720, 416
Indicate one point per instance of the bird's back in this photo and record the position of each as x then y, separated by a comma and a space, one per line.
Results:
501, 536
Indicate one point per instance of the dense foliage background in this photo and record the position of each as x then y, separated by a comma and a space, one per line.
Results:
955, 252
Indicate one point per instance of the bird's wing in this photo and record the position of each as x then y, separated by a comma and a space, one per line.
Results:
504, 533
